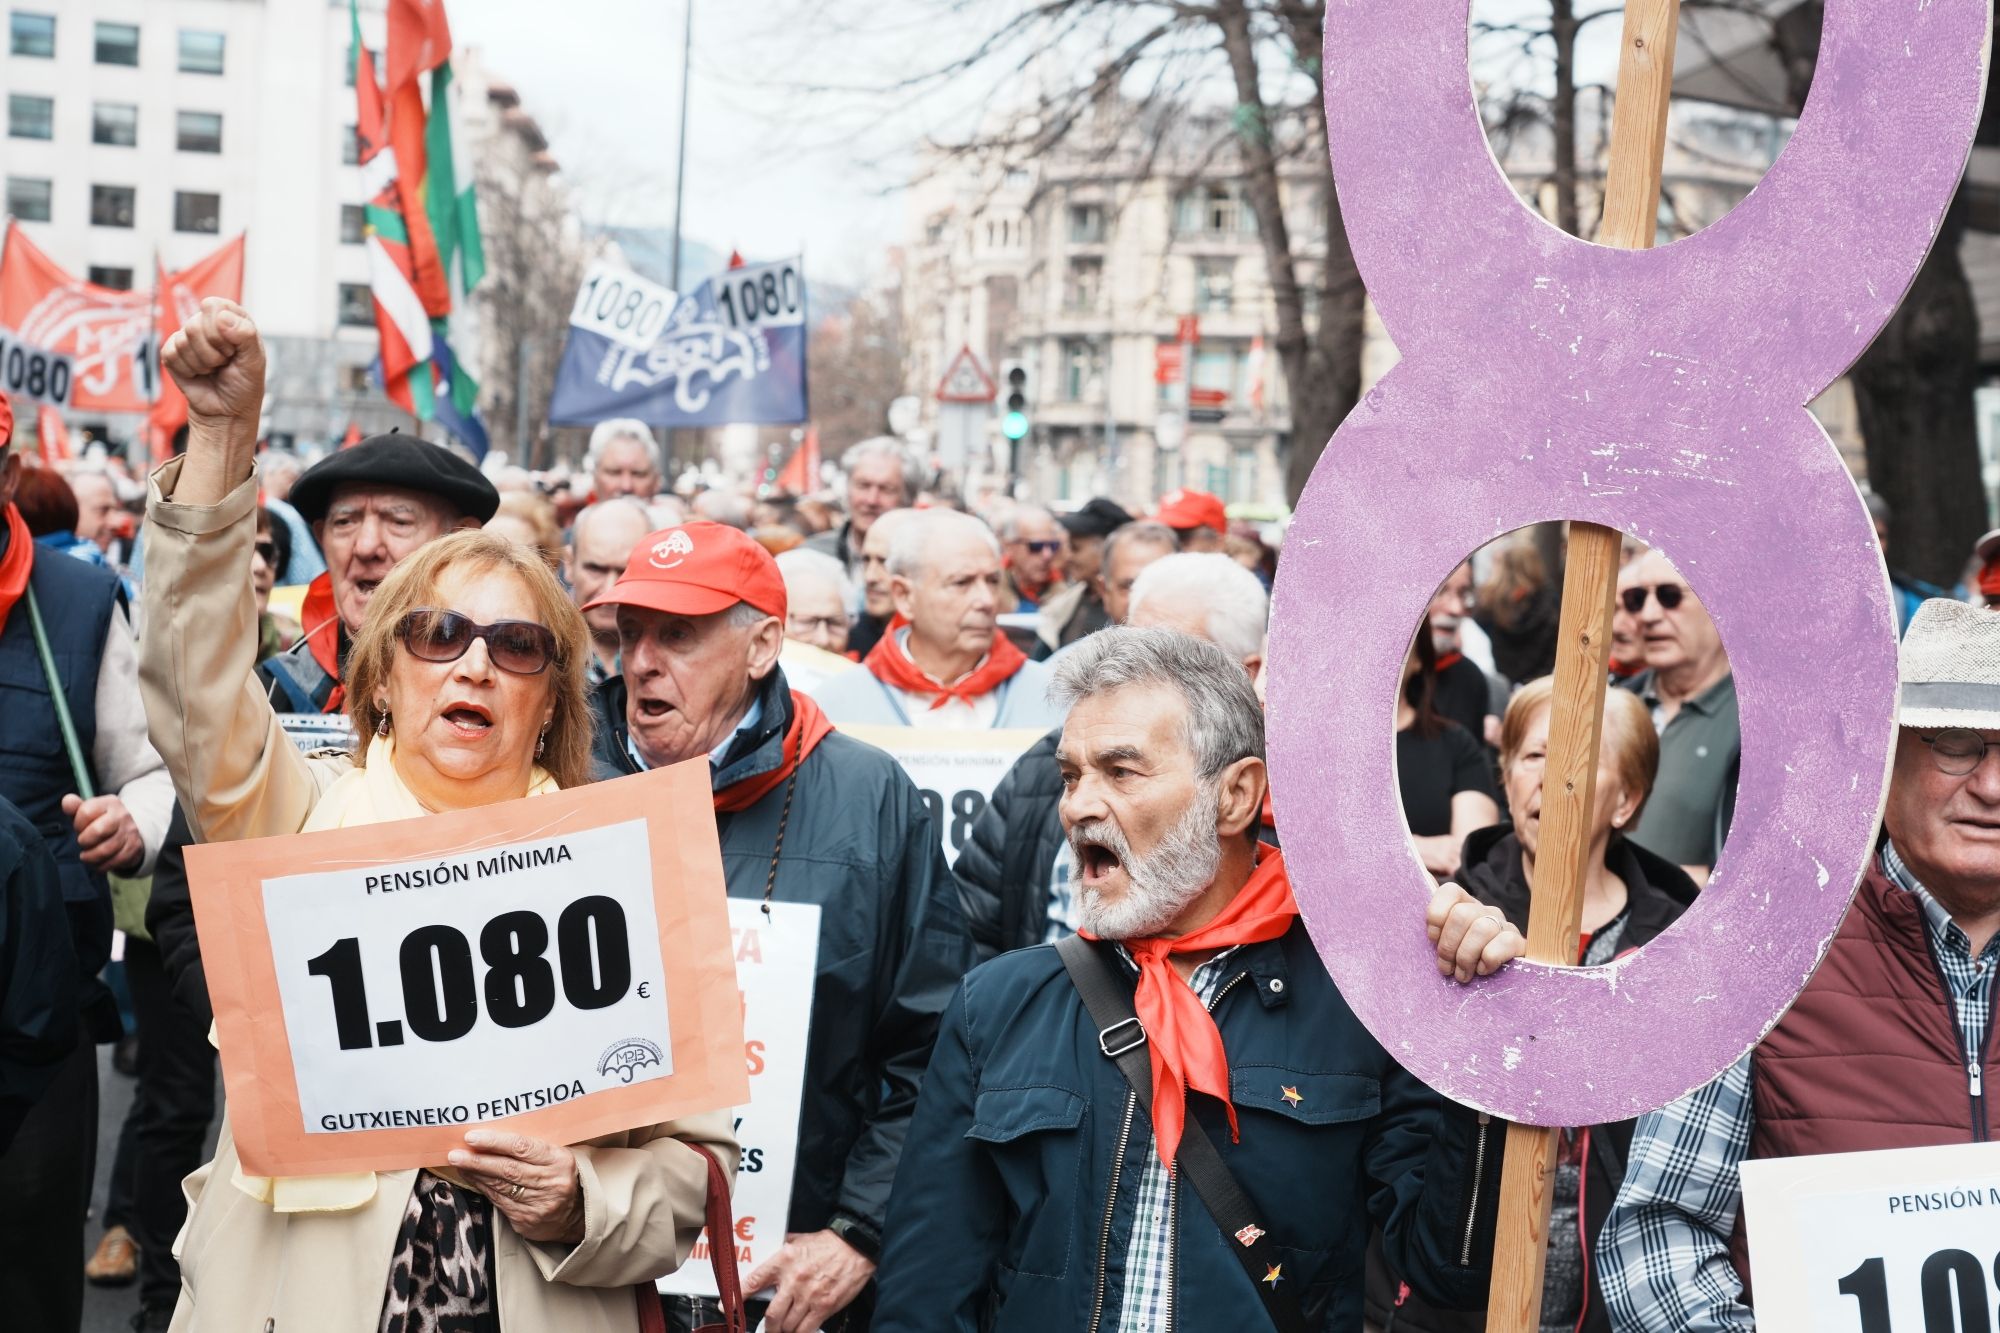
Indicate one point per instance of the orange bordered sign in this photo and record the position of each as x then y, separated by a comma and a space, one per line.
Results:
560, 965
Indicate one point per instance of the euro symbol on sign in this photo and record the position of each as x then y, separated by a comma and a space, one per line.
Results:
642, 988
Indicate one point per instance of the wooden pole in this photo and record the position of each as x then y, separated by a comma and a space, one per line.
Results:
1569, 782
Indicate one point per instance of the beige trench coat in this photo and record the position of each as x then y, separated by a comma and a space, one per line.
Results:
238, 776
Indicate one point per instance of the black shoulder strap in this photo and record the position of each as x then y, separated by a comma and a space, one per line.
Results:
1108, 998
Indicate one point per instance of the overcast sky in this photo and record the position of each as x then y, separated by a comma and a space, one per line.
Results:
772, 168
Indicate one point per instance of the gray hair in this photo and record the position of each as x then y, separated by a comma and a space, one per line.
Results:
1224, 721
1010, 522
618, 504
1146, 532
623, 428
910, 544
889, 447
282, 459
1236, 604
745, 616
803, 565
724, 507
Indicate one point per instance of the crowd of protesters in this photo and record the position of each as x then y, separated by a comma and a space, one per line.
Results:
176, 651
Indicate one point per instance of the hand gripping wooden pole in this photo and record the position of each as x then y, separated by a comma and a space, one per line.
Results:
1576, 721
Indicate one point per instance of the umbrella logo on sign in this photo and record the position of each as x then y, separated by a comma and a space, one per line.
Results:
628, 1056
671, 550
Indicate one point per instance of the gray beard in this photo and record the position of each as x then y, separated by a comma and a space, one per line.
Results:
1162, 884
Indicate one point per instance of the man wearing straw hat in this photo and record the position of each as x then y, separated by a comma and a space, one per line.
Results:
1889, 1045
74, 757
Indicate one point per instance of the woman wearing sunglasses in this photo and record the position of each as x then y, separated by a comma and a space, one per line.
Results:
465, 684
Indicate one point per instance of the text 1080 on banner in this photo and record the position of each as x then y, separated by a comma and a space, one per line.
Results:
34, 373
1880, 1242
471, 987
622, 306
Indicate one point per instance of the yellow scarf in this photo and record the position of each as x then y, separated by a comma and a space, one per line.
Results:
370, 795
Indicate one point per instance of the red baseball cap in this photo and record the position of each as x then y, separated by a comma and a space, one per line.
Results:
6, 419
1181, 510
697, 569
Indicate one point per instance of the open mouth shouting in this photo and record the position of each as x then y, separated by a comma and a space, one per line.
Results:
469, 721
1101, 853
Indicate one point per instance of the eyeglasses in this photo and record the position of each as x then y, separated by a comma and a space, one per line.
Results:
1671, 595
267, 552
1958, 750
1044, 548
816, 624
519, 646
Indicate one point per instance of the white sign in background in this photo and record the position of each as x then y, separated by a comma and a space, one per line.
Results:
776, 961
955, 770
551, 990
1906, 1241
621, 305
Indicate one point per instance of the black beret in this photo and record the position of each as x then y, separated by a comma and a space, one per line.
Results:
1099, 518
403, 461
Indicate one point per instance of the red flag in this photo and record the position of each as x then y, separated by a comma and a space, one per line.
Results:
736, 259
353, 436
800, 475
102, 331
54, 436
419, 41
177, 297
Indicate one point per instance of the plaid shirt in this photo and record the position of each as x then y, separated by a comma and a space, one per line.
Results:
1663, 1259
1149, 1256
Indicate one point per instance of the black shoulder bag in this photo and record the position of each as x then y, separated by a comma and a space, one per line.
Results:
1107, 995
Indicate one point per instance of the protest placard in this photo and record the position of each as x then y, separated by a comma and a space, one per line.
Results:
1905, 1241
955, 770
776, 960
559, 963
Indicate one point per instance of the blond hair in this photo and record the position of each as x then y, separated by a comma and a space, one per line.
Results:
413, 585
1628, 733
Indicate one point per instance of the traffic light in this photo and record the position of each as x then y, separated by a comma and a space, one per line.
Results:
1014, 423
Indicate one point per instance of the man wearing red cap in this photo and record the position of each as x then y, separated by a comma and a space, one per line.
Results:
70, 725
804, 815
1988, 555
950, 668
1197, 517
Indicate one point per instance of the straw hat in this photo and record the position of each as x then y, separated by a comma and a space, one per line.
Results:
1951, 667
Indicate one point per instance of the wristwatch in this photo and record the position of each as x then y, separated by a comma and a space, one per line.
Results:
865, 1239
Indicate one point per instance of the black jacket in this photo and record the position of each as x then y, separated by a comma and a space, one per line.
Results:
170, 920
859, 843
1003, 869
1657, 893
39, 986
1015, 1206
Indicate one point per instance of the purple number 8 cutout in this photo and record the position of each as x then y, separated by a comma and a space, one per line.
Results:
1658, 392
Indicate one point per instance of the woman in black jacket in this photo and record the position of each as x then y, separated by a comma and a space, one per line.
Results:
1630, 896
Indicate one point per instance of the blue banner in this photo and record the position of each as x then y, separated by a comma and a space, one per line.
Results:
734, 350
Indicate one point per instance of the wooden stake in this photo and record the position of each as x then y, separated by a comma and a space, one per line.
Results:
1576, 720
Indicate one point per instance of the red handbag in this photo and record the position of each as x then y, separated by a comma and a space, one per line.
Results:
721, 1253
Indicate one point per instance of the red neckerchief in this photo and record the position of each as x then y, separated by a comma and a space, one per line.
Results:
809, 727
18, 563
322, 635
892, 666
1450, 660
1181, 1037
1625, 670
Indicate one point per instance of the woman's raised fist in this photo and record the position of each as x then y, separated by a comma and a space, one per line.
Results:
217, 359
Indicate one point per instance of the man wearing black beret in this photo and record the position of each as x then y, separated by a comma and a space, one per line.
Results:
369, 506
1078, 610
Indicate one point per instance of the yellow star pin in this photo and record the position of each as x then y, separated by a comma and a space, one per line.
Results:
1291, 1096
1275, 1275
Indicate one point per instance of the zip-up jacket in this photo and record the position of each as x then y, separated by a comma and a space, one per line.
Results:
1657, 892
1003, 869
1014, 1205
1870, 1055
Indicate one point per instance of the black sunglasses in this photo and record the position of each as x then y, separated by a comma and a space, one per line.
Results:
267, 551
519, 646
1044, 548
1670, 594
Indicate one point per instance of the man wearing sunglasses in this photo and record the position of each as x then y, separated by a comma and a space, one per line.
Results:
1031, 544
804, 815
1688, 686
1889, 1045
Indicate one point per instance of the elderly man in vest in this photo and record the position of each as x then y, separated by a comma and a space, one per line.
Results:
950, 668
805, 815
1035, 1195
1888, 1046
74, 757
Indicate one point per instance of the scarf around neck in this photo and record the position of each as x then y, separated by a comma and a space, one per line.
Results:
18, 561
1182, 1041
809, 727
893, 667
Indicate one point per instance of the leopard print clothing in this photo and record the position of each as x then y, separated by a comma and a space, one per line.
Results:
441, 1277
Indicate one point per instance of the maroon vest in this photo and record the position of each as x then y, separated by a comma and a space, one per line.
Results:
1869, 1057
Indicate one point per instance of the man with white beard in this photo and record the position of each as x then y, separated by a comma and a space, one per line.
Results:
1026, 1122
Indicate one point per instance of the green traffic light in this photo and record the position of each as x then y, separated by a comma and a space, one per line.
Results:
1014, 425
